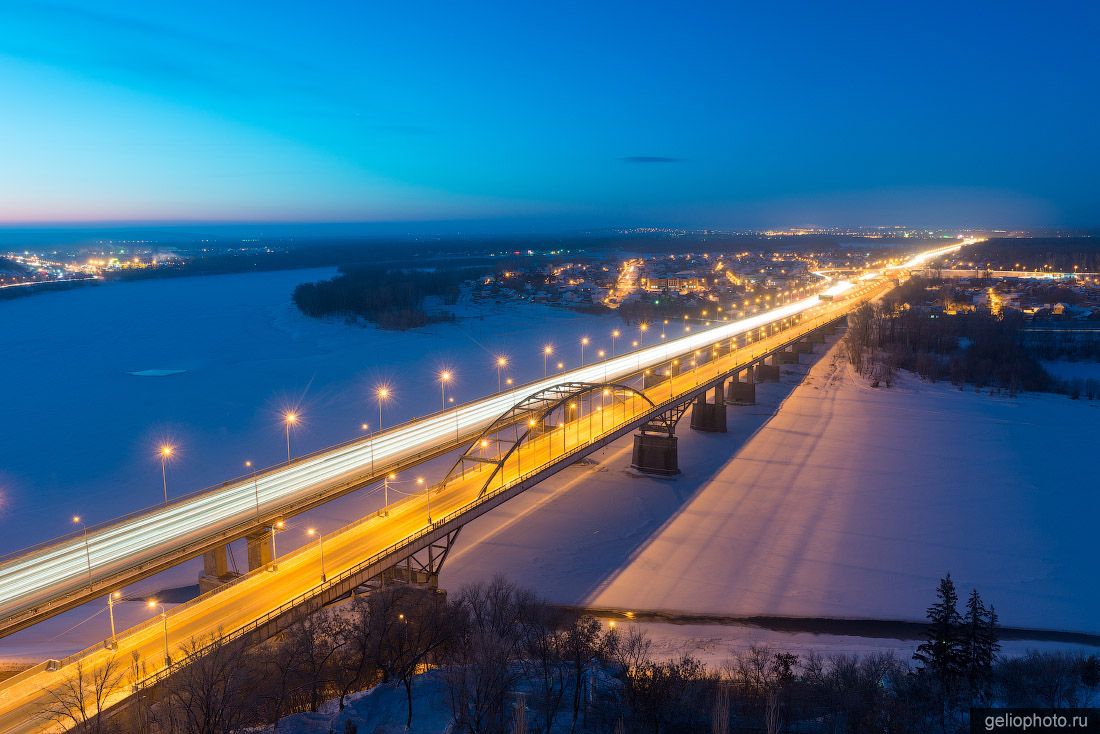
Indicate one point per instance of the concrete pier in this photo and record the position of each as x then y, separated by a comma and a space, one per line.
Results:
655, 453
767, 372
259, 550
215, 569
710, 417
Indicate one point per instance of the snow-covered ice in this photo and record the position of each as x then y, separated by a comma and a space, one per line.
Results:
850, 503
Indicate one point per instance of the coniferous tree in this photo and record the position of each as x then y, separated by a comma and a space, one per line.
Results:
980, 646
941, 655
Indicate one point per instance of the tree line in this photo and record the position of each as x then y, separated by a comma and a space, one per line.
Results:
974, 348
390, 298
513, 664
1035, 253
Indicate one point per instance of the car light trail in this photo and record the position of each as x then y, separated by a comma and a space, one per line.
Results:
60, 569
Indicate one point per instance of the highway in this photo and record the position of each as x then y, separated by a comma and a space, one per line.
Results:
64, 565
119, 552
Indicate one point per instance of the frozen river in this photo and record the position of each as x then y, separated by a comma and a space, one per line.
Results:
95, 378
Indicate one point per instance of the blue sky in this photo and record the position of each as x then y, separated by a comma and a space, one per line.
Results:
551, 115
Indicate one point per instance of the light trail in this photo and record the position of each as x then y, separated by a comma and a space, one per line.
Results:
57, 571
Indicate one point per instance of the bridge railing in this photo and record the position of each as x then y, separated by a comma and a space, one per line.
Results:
396, 551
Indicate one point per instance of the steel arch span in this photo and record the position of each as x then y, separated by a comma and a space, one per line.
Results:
535, 415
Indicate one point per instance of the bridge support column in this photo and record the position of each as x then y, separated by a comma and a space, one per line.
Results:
817, 336
767, 372
803, 346
215, 569
742, 392
710, 417
655, 453
259, 549
786, 357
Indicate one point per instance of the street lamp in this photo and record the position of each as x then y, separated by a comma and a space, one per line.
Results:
111, 612
255, 486
643, 327
614, 336
370, 437
382, 393
444, 378
166, 451
502, 362
386, 489
279, 525
87, 548
153, 604
546, 352
290, 418
584, 343
321, 544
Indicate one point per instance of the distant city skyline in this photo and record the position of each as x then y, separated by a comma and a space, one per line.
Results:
506, 118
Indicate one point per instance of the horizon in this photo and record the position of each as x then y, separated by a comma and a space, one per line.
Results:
498, 118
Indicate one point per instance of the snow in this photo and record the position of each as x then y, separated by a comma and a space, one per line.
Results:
94, 378
380, 710
850, 503
1067, 370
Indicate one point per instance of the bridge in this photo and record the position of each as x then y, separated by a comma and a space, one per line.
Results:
510, 442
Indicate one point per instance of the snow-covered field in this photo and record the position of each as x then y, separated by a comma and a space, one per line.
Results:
1066, 370
850, 503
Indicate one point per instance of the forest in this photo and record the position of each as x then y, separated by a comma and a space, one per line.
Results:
389, 298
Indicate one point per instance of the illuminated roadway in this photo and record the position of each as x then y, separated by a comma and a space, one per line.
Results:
60, 568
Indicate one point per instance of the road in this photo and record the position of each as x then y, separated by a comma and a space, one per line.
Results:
256, 594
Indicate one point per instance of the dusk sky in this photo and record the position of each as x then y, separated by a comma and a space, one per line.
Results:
626, 113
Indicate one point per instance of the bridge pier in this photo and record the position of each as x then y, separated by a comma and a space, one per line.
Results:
817, 336
710, 417
215, 569
742, 392
767, 372
786, 357
259, 550
803, 346
655, 453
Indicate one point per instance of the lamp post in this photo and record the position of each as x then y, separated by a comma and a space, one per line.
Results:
370, 437
501, 363
111, 613
584, 343
290, 418
643, 327
274, 555
153, 604
382, 394
320, 544
546, 352
444, 378
166, 451
255, 486
386, 489
614, 336
87, 549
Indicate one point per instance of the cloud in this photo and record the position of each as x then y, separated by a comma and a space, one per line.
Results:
649, 159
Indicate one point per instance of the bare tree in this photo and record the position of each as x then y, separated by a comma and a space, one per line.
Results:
483, 661
720, 713
80, 700
582, 643
544, 651
312, 644
213, 694
358, 663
